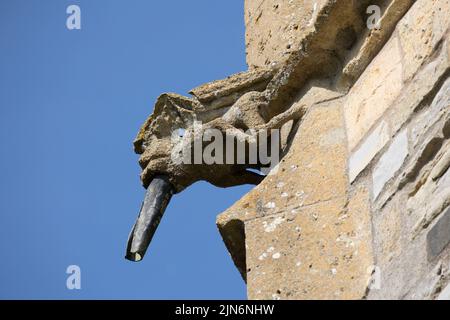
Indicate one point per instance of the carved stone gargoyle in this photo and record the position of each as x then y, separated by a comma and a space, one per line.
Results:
236, 107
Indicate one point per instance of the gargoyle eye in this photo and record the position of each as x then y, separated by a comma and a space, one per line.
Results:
181, 132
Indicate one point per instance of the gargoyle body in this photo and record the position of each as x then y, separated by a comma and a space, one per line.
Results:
235, 109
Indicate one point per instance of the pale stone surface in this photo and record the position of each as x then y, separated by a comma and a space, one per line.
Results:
415, 199
274, 28
376, 38
390, 162
307, 162
422, 87
369, 148
420, 31
292, 262
374, 92
431, 175
428, 118
389, 223
400, 278
381, 86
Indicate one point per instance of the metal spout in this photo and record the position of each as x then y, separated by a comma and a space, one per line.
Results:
155, 202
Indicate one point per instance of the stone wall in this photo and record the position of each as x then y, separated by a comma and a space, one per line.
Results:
359, 207
274, 27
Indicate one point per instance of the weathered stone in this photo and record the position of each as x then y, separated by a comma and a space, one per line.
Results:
319, 253
368, 149
390, 162
430, 170
430, 115
419, 92
375, 39
425, 210
420, 32
439, 235
374, 92
388, 238
441, 167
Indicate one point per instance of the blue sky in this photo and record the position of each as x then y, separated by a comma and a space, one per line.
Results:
71, 103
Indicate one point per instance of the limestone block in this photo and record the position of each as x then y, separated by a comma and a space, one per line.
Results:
426, 210
308, 172
312, 171
305, 232
367, 151
323, 252
274, 28
376, 38
374, 92
419, 91
429, 171
388, 226
420, 32
225, 92
390, 162
432, 114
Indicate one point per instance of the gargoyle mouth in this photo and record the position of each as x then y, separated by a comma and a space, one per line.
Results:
157, 197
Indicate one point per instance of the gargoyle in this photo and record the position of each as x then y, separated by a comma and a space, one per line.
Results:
237, 108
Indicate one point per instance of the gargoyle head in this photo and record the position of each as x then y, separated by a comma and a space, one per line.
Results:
172, 143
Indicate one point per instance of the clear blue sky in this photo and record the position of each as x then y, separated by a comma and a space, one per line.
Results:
71, 104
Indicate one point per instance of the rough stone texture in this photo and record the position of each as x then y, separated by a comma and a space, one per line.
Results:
362, 191
223, 93
412, 256
374, 41
274, 28
420, 32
